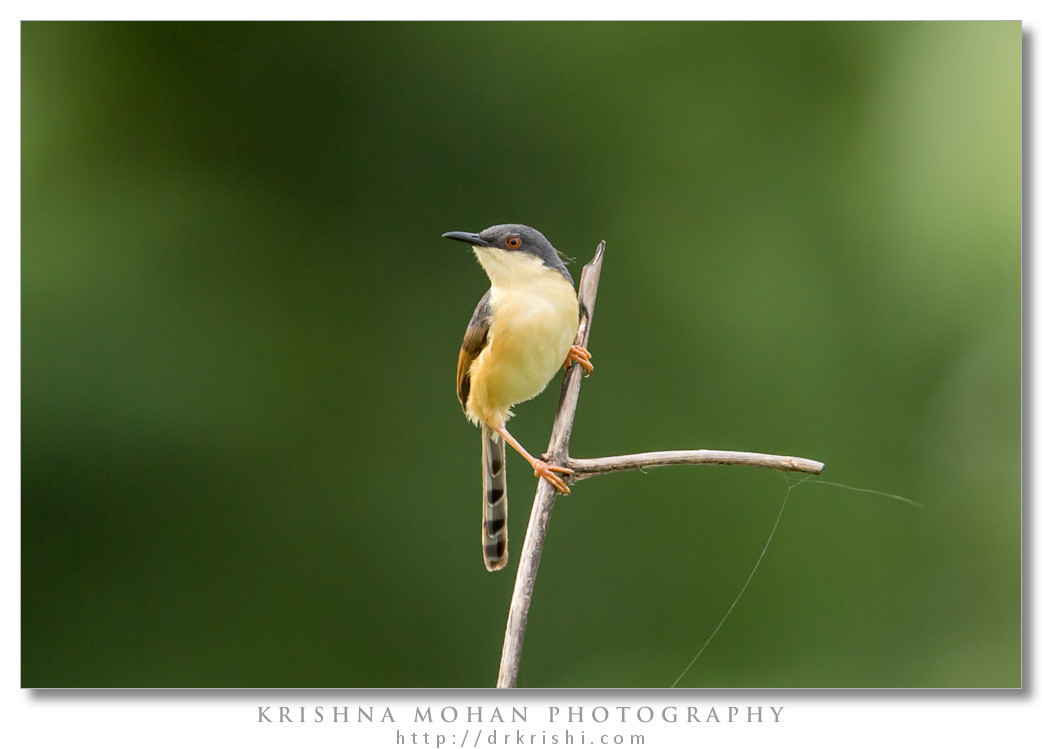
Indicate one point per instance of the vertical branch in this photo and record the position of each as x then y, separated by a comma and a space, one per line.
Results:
543, 505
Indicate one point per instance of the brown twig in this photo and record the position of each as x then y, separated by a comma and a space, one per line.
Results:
587, 467
557, 453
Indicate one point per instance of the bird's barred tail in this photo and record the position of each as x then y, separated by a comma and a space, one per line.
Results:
494, 485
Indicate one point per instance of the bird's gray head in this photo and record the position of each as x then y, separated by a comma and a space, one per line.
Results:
515, 238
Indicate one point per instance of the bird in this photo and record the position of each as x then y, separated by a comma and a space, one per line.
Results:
522, 331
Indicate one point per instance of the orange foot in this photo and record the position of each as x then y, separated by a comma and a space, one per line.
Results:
579, 355
546, 470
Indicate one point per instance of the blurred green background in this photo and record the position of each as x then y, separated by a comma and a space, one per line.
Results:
243, 461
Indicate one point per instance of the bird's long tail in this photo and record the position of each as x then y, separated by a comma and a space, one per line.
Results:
494, 486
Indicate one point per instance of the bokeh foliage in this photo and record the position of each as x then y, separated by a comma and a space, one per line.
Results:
243, 463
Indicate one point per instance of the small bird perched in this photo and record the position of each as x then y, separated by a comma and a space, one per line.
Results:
522, 331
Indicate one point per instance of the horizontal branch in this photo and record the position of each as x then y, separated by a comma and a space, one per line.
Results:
587, 467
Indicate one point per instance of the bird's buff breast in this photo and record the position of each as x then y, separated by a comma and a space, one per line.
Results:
528, 342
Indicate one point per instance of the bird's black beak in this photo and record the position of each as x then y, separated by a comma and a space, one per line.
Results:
466, 236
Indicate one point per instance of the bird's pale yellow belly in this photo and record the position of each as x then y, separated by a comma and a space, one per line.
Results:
531, 333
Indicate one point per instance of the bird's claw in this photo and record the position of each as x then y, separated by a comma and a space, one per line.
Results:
580, 356
546, 471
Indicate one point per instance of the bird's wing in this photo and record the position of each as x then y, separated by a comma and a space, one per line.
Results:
474, 342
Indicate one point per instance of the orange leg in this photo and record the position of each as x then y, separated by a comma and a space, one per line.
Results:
581, 356
543, 469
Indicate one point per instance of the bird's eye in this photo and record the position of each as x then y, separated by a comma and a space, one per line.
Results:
513, 242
